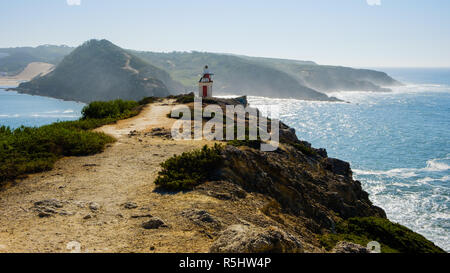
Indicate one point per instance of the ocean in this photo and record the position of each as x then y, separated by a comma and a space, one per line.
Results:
398, 143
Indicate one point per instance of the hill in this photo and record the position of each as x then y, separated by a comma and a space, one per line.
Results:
236, 74
233, 75
100, 70
326, 78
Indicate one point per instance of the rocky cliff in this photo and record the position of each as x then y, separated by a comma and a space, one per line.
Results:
304, 200
149, 193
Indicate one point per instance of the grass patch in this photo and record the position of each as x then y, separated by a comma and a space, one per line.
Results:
188, 98
255, 144
394, 238
109, 109
148, 100
185, 171
28, 150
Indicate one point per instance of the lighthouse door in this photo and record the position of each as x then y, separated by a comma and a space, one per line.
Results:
205, 91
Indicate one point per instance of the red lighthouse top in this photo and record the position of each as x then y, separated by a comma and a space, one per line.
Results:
207, 76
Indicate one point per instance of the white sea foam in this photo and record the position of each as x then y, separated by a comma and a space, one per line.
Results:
58, 115
430, 179
368, 97
400, 172
435, 166
367, 130
408, 206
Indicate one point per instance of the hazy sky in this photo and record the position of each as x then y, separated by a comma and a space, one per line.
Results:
361, 33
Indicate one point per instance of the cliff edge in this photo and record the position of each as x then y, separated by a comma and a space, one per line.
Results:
295, 199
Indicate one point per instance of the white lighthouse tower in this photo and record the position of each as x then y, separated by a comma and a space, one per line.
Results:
205, 84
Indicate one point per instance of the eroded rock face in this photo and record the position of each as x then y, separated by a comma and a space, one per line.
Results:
50, 207
251, 239
300, 183
223, 190
347, 247
198, 216
337, 166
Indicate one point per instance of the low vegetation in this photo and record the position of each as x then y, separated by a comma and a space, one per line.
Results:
394, 238
28, 150
185, 171
148, 100
255, 144
306, 150
109, 109
184, 98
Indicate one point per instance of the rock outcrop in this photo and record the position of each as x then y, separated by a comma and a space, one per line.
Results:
303, 185
347, 247
246, 239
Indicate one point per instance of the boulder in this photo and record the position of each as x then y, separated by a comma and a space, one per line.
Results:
202, 218
94, 206
130, 205
347, 247
50, 207
337, 166
54, 203
154, 223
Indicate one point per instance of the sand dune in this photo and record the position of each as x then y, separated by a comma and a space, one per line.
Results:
32, 70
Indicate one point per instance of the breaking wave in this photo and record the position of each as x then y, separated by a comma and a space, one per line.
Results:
397, 144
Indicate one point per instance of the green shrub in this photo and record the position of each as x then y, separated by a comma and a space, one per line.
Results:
185, 171
109, 109
86, 124
185, 98
148, 100
391, 236
29, 150
255, 144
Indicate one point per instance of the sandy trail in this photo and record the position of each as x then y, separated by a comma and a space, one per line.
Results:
127, 65
125, 172
152, 116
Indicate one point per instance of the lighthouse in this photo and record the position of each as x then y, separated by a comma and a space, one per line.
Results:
205, 84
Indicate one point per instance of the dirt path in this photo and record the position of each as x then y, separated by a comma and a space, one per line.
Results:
152, 116
127, 65
83, 198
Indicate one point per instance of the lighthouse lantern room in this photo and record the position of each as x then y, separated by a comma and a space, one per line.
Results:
205, 84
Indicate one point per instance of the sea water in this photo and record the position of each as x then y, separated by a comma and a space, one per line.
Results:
398, 144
